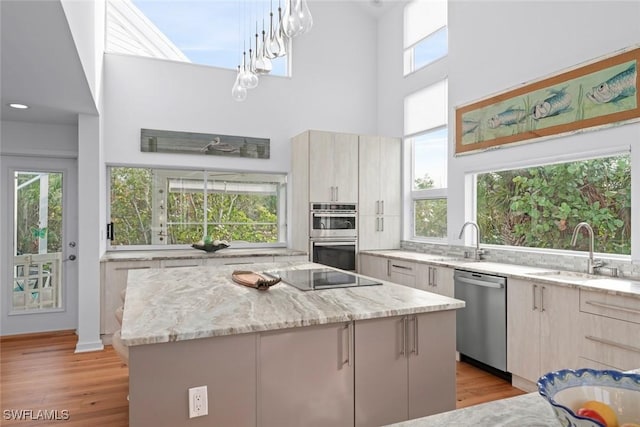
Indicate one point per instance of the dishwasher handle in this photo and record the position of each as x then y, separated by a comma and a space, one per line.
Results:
475, 282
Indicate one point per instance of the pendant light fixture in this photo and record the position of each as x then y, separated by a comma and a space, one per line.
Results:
294, 21
297, 18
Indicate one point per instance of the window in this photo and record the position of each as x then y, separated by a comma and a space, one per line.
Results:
540, 206
201, 32
175, 207
425, 33
427, 138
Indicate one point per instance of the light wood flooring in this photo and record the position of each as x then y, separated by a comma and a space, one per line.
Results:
42, 372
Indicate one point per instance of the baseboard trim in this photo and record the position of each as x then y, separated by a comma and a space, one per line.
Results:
36, 335
89, 346
523, 384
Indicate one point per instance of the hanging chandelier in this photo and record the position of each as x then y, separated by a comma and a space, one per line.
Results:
294, 21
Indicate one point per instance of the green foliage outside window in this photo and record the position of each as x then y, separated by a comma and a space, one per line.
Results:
430, 215
234, 216
28, 228
540, 206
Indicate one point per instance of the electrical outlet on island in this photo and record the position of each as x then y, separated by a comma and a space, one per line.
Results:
198, 402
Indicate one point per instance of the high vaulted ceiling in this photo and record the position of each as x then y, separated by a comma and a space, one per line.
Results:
40, 65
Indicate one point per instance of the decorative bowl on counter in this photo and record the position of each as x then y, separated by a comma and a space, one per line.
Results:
613, 395
210, 247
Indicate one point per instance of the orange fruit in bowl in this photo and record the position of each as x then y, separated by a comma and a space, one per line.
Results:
605, 411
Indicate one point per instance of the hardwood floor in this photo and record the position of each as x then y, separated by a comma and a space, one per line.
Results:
42, 372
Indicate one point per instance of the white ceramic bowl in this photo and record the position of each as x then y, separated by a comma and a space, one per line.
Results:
567, 390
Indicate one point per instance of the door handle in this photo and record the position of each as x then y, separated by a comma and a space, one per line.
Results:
349, 328
415, 335
534, 307
71, 258
377, 207
382, 207
72, 244
542, 298
403, 347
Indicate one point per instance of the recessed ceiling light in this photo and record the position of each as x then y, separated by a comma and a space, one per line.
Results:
18, 106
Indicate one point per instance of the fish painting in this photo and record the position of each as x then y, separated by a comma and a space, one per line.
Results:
617, 87
557, 103
469, 126
510, 116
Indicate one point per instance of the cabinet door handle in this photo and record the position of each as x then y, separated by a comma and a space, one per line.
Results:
613, 343
534, 308
388, 268
349, 328
542, 288
382, 207
377, 207
415, 335
337, 194
435, 277
429, 278
402, 267
382, 224
612, 306
377, 224
403, 347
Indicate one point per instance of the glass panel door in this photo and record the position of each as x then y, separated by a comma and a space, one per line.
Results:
37, 260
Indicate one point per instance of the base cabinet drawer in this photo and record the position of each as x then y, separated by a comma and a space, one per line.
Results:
614, 306
610, 342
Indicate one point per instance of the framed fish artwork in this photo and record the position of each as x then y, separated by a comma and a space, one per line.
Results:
601, 93
165, 141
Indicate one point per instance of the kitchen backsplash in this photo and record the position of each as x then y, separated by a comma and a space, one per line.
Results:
559, 261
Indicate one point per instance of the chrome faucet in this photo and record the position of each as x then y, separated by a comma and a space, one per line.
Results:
592, 264
477, 252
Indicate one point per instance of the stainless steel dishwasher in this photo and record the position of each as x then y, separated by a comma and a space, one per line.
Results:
482, 324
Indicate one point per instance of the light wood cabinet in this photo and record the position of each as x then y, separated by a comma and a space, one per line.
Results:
112, 283
405, 367
305, 376
333, 167
610, 330
392, 270
542, 328
379, 204
324, 168
435, 278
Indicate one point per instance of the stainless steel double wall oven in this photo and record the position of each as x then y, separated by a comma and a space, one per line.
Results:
333, 234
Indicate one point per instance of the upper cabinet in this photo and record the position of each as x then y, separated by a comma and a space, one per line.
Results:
379, 195
333, 167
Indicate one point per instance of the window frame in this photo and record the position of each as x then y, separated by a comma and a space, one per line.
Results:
408, 51
282, 212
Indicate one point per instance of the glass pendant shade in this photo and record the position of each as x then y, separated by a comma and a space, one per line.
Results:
252, 80
297, 18
238, 92
263, 63
276, 41
248, 79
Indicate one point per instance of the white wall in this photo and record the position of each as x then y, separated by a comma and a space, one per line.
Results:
39, 139
333, 87
497, 45
87, 23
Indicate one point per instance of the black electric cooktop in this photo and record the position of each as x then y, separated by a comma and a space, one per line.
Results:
321, 278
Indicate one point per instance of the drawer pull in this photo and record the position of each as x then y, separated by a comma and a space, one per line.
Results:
613, 306
401, 267
613, 343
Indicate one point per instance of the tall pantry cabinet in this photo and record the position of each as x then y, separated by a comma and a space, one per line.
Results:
347, 168
379, 195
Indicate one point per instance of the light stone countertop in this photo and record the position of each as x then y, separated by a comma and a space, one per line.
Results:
199, 302
614, 286
528, 410
231, 252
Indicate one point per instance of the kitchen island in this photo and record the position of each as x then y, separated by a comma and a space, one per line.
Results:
350, 356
